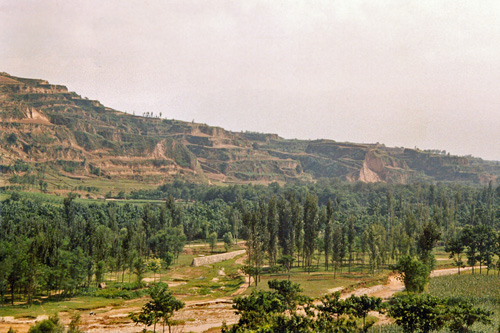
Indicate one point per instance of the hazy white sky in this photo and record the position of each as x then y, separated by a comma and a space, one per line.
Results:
404, 73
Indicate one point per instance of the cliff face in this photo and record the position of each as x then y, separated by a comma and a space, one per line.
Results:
50, 128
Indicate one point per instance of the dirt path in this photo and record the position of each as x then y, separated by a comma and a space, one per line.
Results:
197, 316
248, 279
394, 285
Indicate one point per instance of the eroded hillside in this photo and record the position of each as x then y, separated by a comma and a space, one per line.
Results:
45, 129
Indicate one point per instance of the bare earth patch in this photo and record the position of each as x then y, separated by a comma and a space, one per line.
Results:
197, 316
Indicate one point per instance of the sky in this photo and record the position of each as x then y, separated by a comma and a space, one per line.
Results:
404, 73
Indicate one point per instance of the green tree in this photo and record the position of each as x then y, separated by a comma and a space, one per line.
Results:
51, 325
310, 228
228, 240
360, 306
167, 260
297, 224
140, 269
6, 265
250, 271
263, 308
160, 309
286, 261
413, 272
374, 242
462, 316
99, 271
468, 238
286, 230
272, 230
154, 265
212, 240
486, 240
351, 234
328, 242
337, 249
455, 247
332, 315
423, 313
426, 241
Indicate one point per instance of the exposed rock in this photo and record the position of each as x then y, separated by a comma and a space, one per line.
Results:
81, 139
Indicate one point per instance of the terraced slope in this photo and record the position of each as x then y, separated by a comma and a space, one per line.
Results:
47, 130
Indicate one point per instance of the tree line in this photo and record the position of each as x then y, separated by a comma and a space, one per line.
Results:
66, 245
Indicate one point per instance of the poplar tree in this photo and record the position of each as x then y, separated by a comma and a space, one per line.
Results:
310, 228
328, 242
351, 234
286, 232
272, 230
337, 244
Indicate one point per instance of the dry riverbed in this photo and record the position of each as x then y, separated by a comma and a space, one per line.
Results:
196, 316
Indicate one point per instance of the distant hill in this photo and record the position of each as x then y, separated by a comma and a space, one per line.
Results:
47, 131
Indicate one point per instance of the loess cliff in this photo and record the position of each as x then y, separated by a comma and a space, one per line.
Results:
46, 129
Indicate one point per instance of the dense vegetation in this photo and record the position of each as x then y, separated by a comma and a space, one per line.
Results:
480, 290
284, 309
66, 246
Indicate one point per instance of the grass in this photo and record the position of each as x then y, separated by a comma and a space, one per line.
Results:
104, 185
45, 197
474, 287
80, 303
199, 286
204, 282
320, 283
118, 201
58, 199
201, 283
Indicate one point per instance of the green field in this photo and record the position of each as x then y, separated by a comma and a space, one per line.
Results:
321, 282
481, 289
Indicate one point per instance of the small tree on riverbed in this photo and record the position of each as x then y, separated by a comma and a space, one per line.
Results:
160, 309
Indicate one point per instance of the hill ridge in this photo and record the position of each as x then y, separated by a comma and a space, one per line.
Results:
48, 127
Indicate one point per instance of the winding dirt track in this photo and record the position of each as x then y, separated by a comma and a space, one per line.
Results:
198, 316
394, 284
